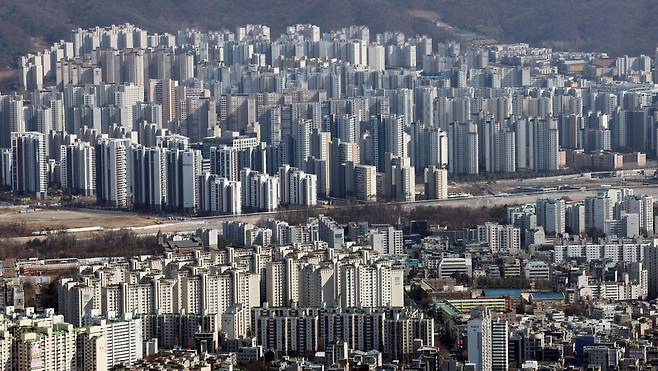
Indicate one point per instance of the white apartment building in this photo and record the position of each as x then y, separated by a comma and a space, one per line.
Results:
615, 251
365, 182
29, 164
112, 172
436, 183
78, 169
479, 333
297, 187
452, 265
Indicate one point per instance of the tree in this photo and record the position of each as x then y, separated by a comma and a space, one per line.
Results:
462, 278
576, 309
519, 282
60, 245
29, 294
49, 295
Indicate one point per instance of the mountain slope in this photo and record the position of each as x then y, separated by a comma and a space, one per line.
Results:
611, 25
618, 27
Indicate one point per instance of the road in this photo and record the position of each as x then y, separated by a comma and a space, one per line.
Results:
193, 223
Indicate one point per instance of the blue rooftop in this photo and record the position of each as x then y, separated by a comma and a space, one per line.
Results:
501, 292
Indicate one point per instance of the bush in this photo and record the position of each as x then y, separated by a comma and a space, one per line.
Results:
62, 245
451, 217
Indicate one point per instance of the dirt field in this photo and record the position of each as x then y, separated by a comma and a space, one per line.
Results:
63, 219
